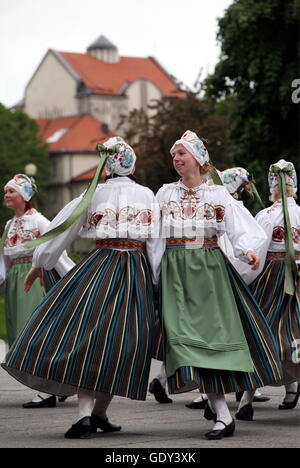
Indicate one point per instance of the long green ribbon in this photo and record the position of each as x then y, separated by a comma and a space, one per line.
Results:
81, 207
215, 176
255, 191
290, 264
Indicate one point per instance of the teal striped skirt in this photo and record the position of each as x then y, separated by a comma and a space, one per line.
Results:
216, 337
94, 330
282, 312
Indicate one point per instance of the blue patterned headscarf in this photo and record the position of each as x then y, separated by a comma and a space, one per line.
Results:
121, 162
194, 145
24, 185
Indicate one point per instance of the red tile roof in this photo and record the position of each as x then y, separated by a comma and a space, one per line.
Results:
82, 133
108, 78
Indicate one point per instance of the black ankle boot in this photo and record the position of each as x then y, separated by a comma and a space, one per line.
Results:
104, 425
80, 430
245, 413
218, 434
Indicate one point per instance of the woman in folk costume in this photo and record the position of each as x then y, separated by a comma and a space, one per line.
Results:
277, 288
237, 180
93, 333
216, 338
15, 262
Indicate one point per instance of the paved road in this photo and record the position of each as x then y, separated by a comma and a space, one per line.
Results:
145, 424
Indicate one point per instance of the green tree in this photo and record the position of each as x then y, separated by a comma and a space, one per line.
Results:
154, 136
258, 63
20, 145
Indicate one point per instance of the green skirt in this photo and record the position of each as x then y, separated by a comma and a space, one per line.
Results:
19, 305
215, 334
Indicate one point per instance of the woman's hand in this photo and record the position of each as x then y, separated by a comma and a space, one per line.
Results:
33, 274
254, 259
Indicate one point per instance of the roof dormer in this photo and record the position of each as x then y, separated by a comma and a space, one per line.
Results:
103, 49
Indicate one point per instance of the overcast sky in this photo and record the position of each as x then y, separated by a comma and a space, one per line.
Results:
181, 34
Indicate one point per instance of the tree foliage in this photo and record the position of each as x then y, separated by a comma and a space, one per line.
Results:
154, 136
20, 145
258, 63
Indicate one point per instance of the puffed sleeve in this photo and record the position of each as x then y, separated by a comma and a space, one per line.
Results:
4, 267
64, 264
46, 255
156, 245
243, 231
43, 223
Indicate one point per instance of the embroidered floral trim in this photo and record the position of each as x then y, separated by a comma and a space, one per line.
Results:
129, 214
273, 207
192, 210
278, 234
18, 234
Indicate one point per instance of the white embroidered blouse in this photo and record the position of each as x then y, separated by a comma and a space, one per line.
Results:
120, 208
272, 221
244, 269
22, 229
206, 211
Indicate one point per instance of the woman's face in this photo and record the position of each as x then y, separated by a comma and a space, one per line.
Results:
13, 199
183, 162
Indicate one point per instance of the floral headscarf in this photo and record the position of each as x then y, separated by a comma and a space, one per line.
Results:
22, 184
289, 173
121, 162
194, 145
234, 179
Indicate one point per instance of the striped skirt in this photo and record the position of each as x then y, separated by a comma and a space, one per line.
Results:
282, 312
225, 345
93, 330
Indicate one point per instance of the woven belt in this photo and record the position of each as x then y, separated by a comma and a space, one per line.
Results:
196, 243
17, 261
121, 244
281, 255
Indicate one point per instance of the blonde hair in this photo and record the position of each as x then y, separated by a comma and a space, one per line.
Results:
275, 195
249, 189
205, 169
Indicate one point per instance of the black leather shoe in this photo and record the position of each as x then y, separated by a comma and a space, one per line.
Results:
197, 404
159, 392
104, 425
245, 413
209, 414
44, 403
290, 405
80, 430
218, 434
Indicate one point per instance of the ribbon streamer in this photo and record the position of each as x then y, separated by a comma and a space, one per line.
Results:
81, 207
290, 264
